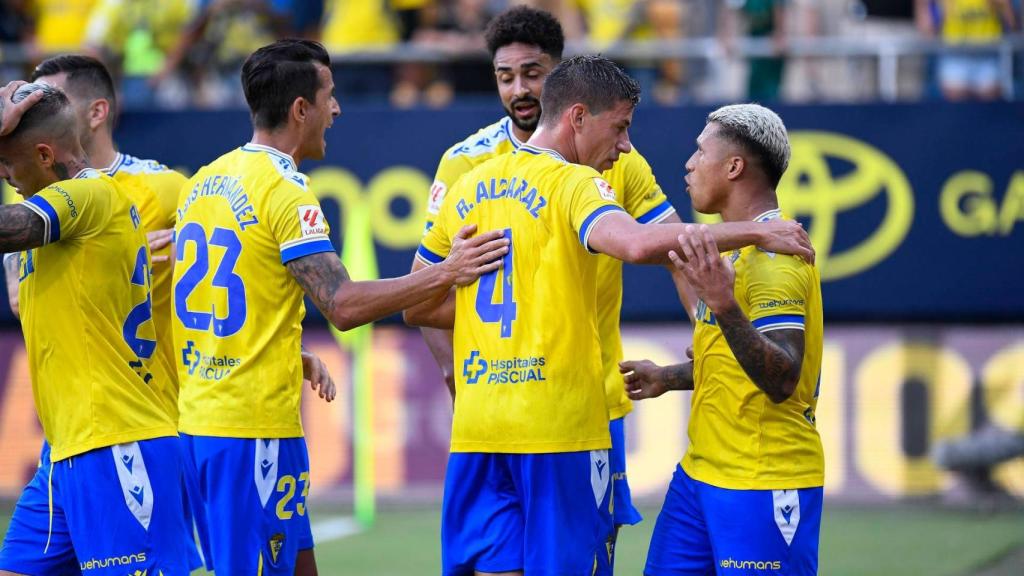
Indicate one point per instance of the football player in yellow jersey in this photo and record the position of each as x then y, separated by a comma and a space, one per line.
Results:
251, 239
154, 189
748, 493
525, 45
113, 488
527, 486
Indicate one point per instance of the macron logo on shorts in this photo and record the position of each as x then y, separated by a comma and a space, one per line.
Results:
599, 480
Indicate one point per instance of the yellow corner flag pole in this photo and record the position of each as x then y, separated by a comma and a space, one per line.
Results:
359, 257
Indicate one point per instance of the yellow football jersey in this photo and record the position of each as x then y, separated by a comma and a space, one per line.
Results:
87, 318
527, 355
154, 188
635, 189
238, 310
739, 438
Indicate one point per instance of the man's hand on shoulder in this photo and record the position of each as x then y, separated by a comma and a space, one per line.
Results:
711, 276
473, 256
787, 237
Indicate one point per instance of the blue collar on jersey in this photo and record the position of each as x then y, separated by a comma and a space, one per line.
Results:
769, 215
507, 127
537, 151
250, 147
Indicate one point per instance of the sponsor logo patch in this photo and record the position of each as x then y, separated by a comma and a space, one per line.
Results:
312, 221
605, 189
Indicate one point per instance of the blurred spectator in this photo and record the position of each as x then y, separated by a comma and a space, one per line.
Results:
216, 42
609, 22
59, 24
457, 29
16, 33
764, 19
136, 37
882, 21
970, 22
354, 26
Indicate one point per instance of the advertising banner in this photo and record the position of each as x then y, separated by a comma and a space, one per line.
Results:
916, 210
888, 395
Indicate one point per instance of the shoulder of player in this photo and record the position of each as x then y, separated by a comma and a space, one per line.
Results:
128, 164
483, 141
279, 164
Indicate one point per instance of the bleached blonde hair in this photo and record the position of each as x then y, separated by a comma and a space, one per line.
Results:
760, 131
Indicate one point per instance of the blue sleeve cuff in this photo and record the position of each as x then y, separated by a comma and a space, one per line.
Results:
296, 251
51, 222
657, 214
428, 257
780, 322
589, 221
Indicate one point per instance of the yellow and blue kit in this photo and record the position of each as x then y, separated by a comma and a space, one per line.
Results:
530, 404
638, 192
237, 335
746, 452
113, 470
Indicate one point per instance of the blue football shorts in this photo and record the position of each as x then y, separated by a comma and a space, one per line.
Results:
546, 514
195, 511
703, 530
623, 511
115, 510
254, 494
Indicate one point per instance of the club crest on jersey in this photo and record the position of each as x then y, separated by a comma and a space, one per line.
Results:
276, 543
312, 221
437, 192
605, 189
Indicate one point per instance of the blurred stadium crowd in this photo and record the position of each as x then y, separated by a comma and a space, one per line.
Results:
187, 53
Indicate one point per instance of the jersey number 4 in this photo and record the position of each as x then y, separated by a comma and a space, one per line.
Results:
224, 278
504, 311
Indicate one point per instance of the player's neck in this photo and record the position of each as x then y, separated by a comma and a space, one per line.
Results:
747, 207
551, 139
101, 151
520, 134
283, 141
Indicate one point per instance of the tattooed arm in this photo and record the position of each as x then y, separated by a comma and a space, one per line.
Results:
772, 360
11, 277
348, 304
20, 229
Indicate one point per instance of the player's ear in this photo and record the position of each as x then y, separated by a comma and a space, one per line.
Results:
577, 114
99, 111
734, 167
300, 109
44, 156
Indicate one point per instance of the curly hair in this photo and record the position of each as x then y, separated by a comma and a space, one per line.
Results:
526, 25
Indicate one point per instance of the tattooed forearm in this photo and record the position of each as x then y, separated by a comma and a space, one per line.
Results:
678, 376
771, 360
320, 275
20, 229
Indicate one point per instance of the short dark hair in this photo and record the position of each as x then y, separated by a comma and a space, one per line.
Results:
526, 25
276, 74
51, 116
87, 77
594, 81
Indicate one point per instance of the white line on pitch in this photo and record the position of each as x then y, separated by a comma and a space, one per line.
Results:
335, 529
